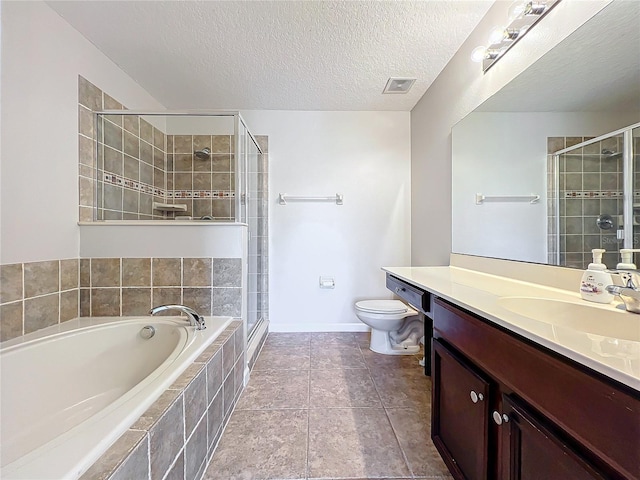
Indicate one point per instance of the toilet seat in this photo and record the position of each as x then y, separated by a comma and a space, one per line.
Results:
390, 307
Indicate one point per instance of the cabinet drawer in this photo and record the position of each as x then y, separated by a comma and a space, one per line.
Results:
599, 414
415, 297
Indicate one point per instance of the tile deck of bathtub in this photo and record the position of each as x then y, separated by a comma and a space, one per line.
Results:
323, 406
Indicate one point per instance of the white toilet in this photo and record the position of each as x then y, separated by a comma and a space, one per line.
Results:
396, 328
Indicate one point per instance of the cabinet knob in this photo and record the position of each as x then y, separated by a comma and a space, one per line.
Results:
475, 397
500, 418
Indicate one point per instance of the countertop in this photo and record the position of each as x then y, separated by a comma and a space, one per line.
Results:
481, 293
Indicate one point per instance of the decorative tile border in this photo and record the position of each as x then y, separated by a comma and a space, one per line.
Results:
132, 184
114, 179
595, 194
200, 194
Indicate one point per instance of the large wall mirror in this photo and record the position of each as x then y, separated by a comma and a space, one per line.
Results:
513, 199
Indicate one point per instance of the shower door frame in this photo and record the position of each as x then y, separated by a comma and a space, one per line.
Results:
627, 182
242, 208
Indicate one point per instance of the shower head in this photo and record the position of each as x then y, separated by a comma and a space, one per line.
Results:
203, 154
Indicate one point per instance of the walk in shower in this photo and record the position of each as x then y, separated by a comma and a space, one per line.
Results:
594, 198
186, 167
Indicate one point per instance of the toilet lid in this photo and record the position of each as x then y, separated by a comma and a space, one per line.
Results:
382, 306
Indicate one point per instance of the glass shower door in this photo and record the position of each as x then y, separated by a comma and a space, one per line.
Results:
254, 314
250, 203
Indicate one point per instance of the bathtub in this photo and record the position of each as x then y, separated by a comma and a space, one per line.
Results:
69, 391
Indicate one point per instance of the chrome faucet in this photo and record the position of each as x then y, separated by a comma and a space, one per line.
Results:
195, 319
629, 293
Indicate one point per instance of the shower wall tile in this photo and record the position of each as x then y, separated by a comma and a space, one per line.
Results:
136, 272
136, 301
199, 299
11, 288
86, 151
146, 131
197, 272
183, 144
11, 325
105, 272
105, 302
110, 103
89, 95
221, 144
69, 274
41, 312
227, 301
159, 139
69, 305
227, 272
202, 207
41, 278
167, 271
132, 124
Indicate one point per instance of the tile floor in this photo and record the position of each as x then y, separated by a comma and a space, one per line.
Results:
323, 406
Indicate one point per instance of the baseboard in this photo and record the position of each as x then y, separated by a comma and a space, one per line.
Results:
318, 327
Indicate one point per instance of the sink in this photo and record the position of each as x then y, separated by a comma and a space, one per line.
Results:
576, 316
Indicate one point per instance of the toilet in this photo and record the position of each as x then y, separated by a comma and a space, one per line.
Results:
396, 328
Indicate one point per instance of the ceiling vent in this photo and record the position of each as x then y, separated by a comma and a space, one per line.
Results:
399, 85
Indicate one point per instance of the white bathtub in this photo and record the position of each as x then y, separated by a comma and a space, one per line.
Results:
69, 391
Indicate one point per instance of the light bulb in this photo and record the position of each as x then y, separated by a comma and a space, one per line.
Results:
534, 8
496, 35
516, 10
478, 54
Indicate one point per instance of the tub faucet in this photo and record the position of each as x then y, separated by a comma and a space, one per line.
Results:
629, 293
195, 319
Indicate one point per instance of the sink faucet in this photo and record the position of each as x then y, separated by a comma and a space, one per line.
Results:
629, 293
195, 319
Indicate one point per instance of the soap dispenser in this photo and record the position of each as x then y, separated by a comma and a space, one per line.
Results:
595, 279
626, 259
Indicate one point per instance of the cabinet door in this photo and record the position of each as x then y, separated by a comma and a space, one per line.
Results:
531, 451
460, 414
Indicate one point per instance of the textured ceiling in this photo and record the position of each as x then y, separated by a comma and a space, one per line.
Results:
286, 55
596, 69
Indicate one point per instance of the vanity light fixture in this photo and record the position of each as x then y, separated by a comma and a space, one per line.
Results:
398, 85
522, 16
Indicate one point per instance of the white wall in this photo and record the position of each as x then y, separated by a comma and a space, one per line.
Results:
506, 154
458, 90
42, 57
366, 157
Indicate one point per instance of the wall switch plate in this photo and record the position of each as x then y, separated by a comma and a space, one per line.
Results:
327, 282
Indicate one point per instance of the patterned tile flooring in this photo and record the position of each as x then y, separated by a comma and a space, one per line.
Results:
324, 406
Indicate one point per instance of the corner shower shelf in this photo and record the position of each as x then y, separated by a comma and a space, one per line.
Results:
169, 207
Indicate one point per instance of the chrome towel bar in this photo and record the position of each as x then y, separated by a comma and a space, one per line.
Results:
283, 198
533, 198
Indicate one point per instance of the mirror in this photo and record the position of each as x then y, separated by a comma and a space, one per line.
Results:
585, 87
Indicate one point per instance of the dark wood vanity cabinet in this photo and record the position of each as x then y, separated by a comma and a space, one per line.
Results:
505, 408
460, 430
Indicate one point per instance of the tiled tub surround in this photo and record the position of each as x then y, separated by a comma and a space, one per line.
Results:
137, 164
36, 295
176, 437
132, 286
87, 409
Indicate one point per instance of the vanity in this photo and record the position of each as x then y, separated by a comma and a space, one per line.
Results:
528, 381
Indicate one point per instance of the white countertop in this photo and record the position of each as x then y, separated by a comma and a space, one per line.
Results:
481, 293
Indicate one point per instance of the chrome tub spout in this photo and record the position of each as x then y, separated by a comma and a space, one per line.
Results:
195, 319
